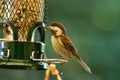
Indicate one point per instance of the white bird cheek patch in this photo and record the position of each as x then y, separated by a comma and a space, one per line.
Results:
58, 31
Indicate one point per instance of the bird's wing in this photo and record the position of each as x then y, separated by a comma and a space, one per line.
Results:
67, 44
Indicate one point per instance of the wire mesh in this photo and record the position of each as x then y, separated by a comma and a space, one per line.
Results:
22, 13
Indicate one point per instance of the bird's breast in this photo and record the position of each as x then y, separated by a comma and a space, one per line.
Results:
59, 48
55, 43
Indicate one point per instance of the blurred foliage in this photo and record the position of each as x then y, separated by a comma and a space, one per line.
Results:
94, 27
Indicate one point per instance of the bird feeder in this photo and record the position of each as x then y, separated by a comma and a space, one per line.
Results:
19, 20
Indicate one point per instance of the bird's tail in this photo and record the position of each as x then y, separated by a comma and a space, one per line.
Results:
84, 65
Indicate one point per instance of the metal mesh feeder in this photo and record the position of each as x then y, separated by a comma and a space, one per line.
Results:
19, 20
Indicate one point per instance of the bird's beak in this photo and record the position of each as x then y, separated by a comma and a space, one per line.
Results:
51, 29
47, 27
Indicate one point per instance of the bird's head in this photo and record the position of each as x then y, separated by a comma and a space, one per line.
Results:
57, 29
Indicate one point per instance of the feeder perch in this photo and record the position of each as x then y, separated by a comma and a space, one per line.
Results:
19, 20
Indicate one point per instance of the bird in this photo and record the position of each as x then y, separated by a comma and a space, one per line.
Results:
8, 35
62, 44
7, 32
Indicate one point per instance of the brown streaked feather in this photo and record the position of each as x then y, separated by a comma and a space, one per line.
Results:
67, 44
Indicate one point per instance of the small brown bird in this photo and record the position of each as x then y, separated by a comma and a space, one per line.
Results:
63, 45
8, 33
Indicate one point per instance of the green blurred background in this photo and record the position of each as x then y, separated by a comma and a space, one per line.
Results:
94, 27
